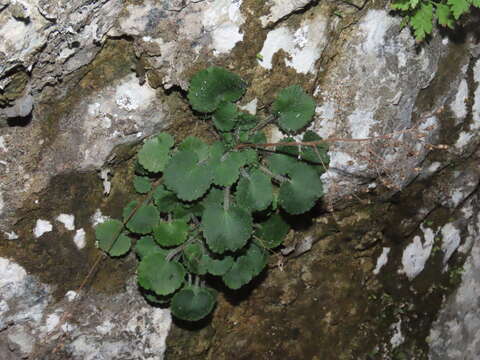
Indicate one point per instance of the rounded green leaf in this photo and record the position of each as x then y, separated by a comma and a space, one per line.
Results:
142, 184
212, 86
221, 266
121, 246
300, 193
226, 229
171, 233
144, 220
146, 245
294, 108
280, 163
195, 144
255, 191
246, 121
272, 232
164, 199
192, 303
249, 156
110, 240
108, 231
214, 197
185, 212
246, 267
186, 177
284, 158
228, 139
227, 170
159, 275
128, 209
225, 117
154, 153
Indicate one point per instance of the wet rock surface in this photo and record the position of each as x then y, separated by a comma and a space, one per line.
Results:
387, 267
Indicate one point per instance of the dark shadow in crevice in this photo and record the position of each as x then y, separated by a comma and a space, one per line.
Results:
175, 89
300, 11
193, 325
235, 297
20, 121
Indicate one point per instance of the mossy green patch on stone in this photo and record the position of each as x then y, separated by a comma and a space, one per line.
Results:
14, 89
53, 257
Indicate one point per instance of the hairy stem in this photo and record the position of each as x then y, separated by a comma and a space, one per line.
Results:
325, 141
279, 178
226, 199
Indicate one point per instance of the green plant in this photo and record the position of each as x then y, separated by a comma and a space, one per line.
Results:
421, 15
217, 209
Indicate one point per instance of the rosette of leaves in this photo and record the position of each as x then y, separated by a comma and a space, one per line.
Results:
216, 209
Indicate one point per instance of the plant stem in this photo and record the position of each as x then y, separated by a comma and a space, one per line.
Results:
325, 141
179, 248
226, 199
262, 124
279, 178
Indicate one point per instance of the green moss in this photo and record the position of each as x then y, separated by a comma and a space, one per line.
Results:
53, 257
14, 89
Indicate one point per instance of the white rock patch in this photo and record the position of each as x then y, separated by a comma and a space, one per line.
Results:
463, 139
42, 227
397, 338
450, 241
375, 25
11, 235
2, 203
130, 95
51, 322
304, 45
3, 147
71, 295
457, 197
79, 239
250, 107
107, 185
433, 167
281, 8
416, 254
67, 220
223, 20
98, 218
11, 274
382, 260
476, 104
105, 328
360, 122
458, 106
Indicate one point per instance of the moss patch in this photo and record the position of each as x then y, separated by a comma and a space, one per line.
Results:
54, 257
14, 89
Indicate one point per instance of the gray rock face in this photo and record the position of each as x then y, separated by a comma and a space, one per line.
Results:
123, 326
48, 40
456, 332
369, 79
